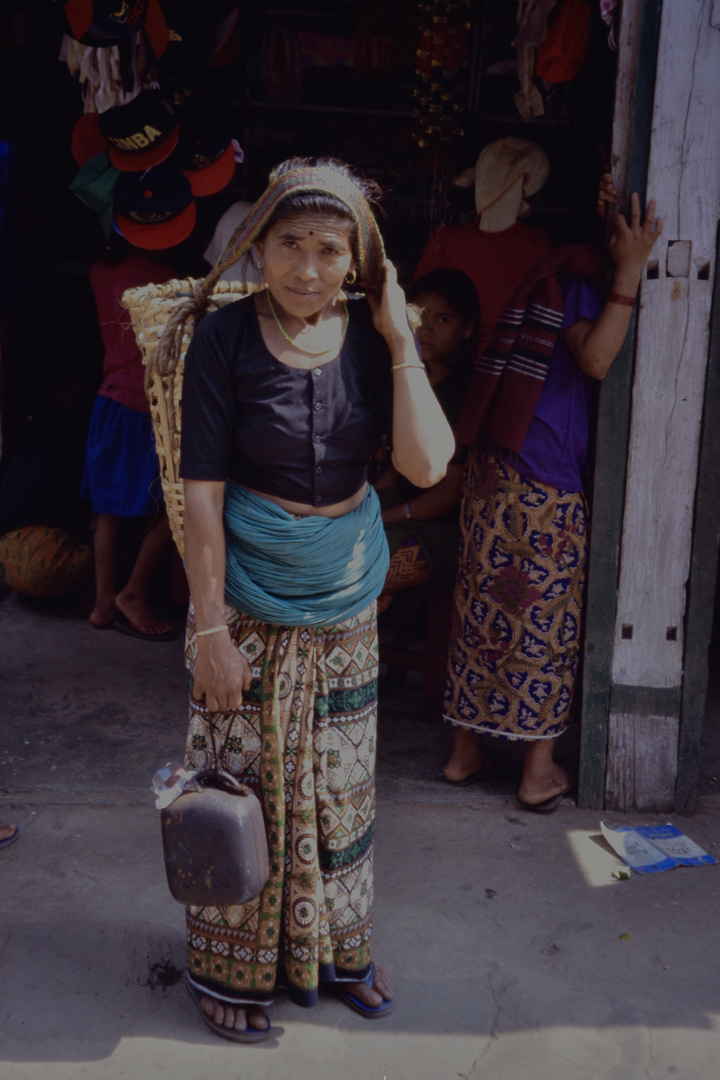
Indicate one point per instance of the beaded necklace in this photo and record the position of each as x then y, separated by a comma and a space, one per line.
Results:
309, 352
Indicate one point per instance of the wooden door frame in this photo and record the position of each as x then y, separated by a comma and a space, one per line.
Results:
634, 98
601, 697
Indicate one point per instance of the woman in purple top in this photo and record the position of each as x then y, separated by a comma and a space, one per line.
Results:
518, 597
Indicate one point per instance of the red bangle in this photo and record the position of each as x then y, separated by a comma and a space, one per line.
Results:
619, 298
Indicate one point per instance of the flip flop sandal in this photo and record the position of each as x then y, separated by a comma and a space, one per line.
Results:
371, 1012
548, 805
250, 1035
10, 839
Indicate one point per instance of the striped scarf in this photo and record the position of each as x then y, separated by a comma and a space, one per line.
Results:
509, 376
370, 248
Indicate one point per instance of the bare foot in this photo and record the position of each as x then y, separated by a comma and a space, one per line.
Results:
103, 613
7, 831
381, 989
542, 777
139, 614
233, 1017
468, 756
535, 790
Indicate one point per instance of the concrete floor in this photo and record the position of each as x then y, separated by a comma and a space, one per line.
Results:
505, 931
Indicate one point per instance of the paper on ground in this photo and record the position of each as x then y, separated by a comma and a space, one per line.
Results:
648, 849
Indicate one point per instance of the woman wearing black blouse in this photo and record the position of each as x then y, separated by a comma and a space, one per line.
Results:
285, 395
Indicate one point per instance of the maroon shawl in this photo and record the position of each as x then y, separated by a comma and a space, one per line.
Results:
509, 376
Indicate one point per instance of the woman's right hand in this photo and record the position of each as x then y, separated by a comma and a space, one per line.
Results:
221, 673
389, 308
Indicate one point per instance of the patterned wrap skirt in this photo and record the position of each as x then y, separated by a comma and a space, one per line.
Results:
304, 740
517, 606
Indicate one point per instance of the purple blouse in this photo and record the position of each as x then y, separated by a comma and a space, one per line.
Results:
555, 450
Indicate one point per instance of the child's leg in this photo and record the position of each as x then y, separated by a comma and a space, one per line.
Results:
105, 554
134, 600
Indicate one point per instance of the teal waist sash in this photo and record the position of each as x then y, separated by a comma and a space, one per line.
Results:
312, 571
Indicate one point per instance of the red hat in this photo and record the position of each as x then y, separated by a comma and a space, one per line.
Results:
212, 177
205, 152
105, 22
155, 209
86, 140
141, 133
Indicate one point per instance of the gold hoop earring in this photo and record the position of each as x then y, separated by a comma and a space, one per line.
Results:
351, 277
260, 263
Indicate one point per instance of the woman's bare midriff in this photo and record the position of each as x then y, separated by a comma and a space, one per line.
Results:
299, 509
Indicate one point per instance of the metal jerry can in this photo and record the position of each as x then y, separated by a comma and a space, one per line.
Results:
214, 842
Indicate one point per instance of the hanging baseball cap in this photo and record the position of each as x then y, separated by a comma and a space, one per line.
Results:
154, 209
192, 40
101, 23
141, 133
86, 140
196, 31
205, 151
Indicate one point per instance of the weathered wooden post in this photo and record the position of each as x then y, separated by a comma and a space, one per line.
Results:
639, 620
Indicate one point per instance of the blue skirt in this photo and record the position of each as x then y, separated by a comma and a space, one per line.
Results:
122, 475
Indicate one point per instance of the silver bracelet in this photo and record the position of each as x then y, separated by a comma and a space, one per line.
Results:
212, 630
408, 515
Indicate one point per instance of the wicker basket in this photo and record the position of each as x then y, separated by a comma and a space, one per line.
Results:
150, 307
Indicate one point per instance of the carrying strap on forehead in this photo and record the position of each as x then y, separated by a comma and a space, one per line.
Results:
370, 248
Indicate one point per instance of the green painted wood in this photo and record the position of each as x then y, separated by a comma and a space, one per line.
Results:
703, 575
608, 490
645, 700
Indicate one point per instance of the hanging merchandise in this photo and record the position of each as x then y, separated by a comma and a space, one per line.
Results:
280, 70
103, 23
607, 11
94, 185
227, 40
142, 133
442, 58
86, 140
532, 27
205, 151
563, 52
109, 76
154, 209
193, 34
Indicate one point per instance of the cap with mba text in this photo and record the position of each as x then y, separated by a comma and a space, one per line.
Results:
141, 133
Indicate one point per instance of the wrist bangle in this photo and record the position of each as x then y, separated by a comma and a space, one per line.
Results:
407, 364
620, 298
212, 630
408, 515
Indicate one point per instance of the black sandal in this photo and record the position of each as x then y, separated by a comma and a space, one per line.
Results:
249, 1035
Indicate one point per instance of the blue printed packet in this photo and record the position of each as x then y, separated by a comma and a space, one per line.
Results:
647, 849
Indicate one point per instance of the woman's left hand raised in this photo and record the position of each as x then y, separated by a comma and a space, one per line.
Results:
389, 306
630, 245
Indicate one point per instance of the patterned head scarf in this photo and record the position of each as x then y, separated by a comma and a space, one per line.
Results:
369, 244
369, 248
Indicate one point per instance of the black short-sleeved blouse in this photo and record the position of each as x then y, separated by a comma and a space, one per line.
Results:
300, 435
